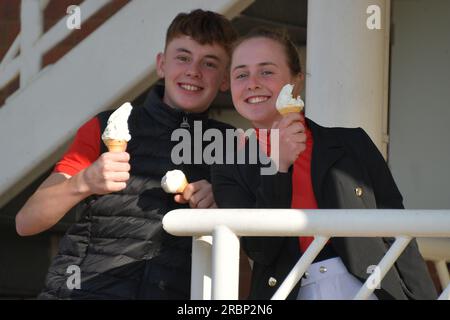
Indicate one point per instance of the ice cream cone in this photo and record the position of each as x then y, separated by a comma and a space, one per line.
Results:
290, 109
286, 103
116, 134
182, 186
114, 145
174, 181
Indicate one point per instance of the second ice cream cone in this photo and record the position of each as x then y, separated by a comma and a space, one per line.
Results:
182, 186
174, 181
290, 109
114, 145
286, 103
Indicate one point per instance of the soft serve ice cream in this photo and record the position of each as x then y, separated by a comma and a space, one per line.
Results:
116, 134
286, 103
174, 181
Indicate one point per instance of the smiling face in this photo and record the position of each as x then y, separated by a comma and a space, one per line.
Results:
193, 73
259, 70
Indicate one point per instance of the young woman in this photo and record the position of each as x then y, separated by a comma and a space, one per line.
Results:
317, 168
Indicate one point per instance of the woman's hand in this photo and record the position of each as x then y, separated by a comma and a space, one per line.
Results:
292, 139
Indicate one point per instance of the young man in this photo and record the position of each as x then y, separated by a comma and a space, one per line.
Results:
119, 244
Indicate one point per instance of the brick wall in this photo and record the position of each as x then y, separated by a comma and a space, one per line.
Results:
56, 9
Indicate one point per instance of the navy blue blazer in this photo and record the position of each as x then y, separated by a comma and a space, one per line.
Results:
342, 160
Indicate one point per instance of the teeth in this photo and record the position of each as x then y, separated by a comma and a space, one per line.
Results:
257, 99
189, 87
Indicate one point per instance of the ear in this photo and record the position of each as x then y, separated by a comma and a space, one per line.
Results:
160, 64
225, 85
299, 82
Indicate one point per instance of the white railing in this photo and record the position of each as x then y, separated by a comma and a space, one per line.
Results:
215, 251
33, 43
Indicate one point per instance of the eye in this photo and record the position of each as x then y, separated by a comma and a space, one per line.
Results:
182, 58
211, 64
240, 76
266, 72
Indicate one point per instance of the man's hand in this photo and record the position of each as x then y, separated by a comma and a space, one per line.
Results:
292, 139
108, 174
198, 194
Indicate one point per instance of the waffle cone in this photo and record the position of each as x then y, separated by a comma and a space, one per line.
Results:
290, 109
115, 145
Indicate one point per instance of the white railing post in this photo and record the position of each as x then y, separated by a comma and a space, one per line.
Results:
225, 264
386, 263
445, 295
442, 271
10, 54
31, 18
299, 269
201, 268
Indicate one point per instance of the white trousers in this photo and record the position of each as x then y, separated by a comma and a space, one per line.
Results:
329, 280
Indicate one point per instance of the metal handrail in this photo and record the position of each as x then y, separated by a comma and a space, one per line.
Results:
225, 225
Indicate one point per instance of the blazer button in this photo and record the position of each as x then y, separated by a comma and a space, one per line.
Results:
272, 282
359, 192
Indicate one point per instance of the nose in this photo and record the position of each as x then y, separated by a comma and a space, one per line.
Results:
193, 71
253, 83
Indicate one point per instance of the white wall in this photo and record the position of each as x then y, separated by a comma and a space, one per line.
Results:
347, 67
419, 152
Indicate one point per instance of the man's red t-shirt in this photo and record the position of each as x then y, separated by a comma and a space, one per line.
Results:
84, 150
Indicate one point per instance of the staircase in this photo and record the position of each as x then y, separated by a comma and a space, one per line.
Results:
113, 64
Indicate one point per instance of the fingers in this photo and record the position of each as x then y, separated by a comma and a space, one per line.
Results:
114, 162
189, 191
289, 119
295, 133
194, 187
199, 194
109, 173
112, 186
116, 156
296, 127
111, 182
292, 140
180, 199
117, 176
297, 138
207, 202
204, 196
